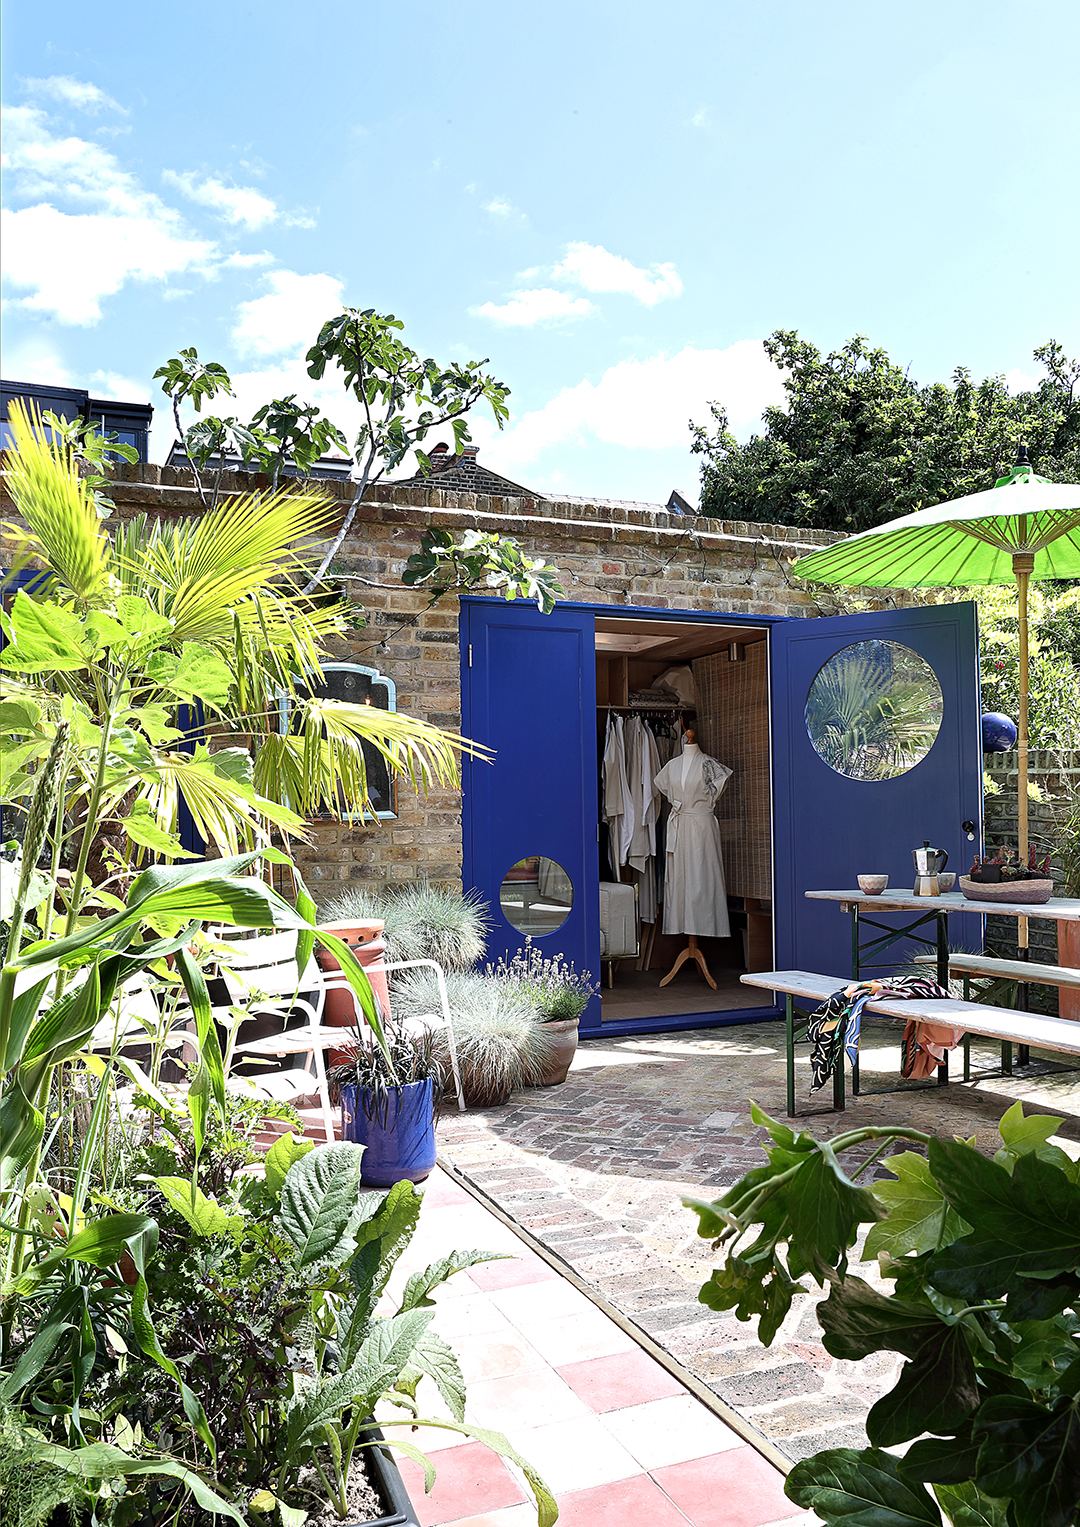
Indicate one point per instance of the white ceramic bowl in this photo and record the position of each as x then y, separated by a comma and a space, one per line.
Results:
872, 885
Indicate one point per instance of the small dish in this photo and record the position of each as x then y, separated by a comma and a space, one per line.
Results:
872, 885
946, 881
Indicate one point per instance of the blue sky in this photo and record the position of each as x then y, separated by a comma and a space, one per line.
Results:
614, 202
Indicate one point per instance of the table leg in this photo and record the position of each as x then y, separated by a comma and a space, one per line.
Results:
1023, 1003
789, 1018
943, 1072
855, 941
943, 950
838, 1073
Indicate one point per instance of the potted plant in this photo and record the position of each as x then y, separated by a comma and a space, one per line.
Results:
500, 1043
560, 994
389, 1111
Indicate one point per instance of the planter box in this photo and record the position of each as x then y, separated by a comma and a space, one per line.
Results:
387, 1480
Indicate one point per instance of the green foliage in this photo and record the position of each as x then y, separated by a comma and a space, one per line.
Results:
557, 988
481, 559
859, 442
421, 921
1054, 658
984, 1257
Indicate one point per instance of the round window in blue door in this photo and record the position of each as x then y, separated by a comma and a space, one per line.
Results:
536, 896
873, 710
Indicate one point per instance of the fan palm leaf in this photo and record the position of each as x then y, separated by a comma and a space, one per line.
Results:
64, 529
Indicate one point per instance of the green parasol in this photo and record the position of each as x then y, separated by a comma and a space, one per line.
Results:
1024, 527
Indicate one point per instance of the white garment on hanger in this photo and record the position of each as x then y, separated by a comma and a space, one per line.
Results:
643, 762
618, 801
695, 897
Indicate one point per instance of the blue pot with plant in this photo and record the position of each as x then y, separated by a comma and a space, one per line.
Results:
388, 1105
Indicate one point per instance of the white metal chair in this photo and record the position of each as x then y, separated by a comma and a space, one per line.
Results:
262, 978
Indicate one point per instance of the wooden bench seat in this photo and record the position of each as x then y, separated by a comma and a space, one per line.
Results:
1006, 1025
1026, 971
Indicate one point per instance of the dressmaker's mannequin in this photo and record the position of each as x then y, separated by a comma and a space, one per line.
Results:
695, 899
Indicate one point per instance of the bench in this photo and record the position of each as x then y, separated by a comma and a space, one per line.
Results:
1006, 1025
1003, 975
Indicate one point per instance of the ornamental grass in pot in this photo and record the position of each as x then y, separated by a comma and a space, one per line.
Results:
501, 1045
389, 1108
559, 994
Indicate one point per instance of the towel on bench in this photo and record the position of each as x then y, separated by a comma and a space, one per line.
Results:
920, 1044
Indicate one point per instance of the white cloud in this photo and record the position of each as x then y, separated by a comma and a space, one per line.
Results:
110, 384
642, 404
72, 92
499, 207
597, 270
542, 305
291, 313
236, 204
70, 261
34, 359
700, 117
245, 261
1021, 381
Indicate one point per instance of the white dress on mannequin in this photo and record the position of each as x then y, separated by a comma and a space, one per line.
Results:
695, 898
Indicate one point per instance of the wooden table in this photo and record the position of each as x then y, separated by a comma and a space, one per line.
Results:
934, 908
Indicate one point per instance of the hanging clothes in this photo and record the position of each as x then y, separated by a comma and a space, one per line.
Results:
643, 764
695, 898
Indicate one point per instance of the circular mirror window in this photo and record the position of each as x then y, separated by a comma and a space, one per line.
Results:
536, 896
874, 710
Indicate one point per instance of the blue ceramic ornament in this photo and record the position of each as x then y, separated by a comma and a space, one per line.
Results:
998, 733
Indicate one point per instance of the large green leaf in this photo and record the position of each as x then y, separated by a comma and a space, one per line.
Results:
203, 1215
431, 1355
919, 1219
1026, 1224
547, 1512
1032, 1455
826, 1210
943, 1460
935, 1392
966, 1506
280, 1157
44, 638
101, 1244
860, 1489
320, 1204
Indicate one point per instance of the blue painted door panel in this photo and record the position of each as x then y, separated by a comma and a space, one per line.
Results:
531, 696
829, 828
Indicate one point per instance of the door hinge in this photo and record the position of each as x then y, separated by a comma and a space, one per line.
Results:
470, 654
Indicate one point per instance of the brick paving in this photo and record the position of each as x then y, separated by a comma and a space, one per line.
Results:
595, 1169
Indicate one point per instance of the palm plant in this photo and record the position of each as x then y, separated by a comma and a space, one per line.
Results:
204, 612
871, 712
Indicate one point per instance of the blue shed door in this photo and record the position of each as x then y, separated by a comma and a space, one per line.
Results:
875, 689
531, 697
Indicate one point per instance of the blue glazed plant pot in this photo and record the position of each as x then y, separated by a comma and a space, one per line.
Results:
399, 1136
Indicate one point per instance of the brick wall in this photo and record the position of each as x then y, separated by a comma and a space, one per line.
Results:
607, 553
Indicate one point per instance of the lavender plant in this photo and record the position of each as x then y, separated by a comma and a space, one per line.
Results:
558, 989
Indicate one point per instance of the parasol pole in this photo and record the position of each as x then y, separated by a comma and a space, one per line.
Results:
1023, 565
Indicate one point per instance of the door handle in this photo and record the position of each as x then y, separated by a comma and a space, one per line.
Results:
969, 828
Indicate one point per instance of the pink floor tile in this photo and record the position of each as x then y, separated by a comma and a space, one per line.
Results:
627, 1378
512, 1274
574, 1455
523, 1400
737, 1488
637, 1502
440, 1189
470, 1479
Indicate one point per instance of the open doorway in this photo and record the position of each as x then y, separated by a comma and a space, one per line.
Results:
655, 680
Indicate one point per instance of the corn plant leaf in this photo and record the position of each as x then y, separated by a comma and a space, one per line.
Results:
919, 1219
320, 1203
100, 1244
99, 1460
860, 1489
1031, 1454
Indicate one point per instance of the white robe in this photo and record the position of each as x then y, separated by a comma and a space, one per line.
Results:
644, 762
618, 803
695, 898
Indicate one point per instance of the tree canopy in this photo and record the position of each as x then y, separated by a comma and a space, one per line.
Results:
859, 442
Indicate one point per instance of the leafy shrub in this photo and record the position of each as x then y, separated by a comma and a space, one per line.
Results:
501, 1042
984, 1257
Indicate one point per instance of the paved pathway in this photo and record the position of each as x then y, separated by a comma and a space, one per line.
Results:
617, 1437
595, 1168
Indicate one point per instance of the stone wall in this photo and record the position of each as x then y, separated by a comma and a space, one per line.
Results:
620, 554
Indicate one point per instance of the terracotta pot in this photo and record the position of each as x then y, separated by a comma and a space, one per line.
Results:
564, 1033
477, 1096
1068, 941
365, 939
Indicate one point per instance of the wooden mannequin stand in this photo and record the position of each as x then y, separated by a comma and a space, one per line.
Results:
691, 952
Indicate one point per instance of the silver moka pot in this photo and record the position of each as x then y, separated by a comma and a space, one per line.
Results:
929, 863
